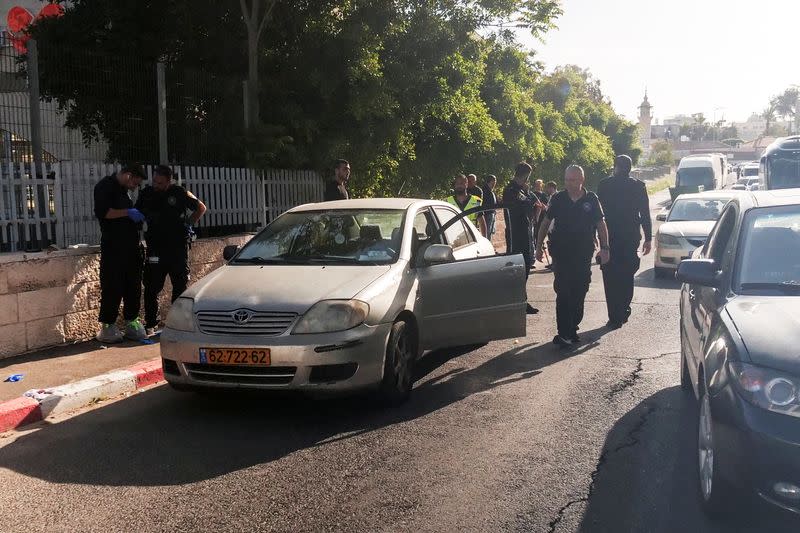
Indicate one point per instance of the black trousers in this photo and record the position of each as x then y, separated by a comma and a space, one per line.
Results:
120, 282
573, 274
618, 276
174, 265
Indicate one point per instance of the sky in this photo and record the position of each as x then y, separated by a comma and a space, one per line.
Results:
724, 58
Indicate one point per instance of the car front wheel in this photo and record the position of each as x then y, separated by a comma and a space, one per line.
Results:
398, 368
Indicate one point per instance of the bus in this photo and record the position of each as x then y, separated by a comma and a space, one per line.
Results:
780, 165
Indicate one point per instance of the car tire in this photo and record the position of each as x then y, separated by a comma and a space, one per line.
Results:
661, 273
398, 368
717, 496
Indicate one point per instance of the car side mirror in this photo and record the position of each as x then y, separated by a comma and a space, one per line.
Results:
437, 254
229, 251
701, 272
661, 217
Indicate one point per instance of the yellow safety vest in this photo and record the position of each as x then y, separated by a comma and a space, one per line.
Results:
474, 201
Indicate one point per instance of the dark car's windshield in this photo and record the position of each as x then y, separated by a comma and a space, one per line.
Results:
696, 209
354, 236
769, 257
690, 177
784, 171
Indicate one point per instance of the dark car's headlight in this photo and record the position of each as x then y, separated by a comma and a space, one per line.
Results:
332, 315
668, 240
767, 388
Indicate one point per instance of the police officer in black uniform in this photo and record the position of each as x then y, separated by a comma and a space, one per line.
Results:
120, 254
578, 217
168, 237
627, 208
521, 205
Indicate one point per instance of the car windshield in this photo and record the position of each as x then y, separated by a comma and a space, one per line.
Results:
356, 236
750, 171
770, 249
693, 176
784, 171
696, 209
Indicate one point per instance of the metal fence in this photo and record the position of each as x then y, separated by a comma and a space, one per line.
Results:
55, 205
60, 103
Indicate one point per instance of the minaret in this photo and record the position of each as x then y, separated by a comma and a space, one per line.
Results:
645, 124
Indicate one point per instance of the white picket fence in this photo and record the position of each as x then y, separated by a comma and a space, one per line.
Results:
57, 207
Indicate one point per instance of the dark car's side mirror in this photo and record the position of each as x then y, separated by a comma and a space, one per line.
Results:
701, 272
436, 254
661, 217
229, 251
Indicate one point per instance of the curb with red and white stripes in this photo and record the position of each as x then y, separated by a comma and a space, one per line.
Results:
38, 404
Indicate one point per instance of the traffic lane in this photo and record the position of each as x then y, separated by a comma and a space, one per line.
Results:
182, 431
648, 482
523, 422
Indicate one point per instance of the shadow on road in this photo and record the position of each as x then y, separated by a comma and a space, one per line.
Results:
646, 278
646, 477
161, 437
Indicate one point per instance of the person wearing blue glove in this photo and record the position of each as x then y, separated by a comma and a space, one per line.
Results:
171, 212
121, 254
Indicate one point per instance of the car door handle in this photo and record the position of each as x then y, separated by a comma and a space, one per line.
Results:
510, 268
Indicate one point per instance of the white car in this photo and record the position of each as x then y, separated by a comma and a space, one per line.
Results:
344, 295
686, 227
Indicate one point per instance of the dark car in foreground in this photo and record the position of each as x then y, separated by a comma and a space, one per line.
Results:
740, 352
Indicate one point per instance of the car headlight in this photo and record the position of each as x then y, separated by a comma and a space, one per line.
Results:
668, 240
767, 388
332, 315
181, 315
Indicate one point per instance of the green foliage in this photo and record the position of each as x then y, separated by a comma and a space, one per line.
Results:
661, 154
410, 91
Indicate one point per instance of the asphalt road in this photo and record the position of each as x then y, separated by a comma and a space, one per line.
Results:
511, 436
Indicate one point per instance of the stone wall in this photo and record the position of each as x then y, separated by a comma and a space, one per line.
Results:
52, 298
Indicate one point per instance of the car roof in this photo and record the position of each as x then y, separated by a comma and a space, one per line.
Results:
367, 203
772, 198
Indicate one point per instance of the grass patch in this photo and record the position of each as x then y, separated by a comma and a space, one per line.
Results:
660, 184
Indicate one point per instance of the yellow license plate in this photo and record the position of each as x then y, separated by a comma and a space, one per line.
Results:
235, 356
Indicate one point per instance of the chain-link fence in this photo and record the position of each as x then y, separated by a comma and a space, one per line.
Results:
97, 106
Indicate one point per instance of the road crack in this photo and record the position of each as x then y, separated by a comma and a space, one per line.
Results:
630, 440
627, 382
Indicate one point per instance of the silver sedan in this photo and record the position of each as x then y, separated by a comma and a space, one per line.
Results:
343, 296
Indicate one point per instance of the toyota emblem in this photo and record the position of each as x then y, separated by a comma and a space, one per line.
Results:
242, 316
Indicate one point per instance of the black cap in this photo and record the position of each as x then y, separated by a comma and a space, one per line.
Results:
136, 169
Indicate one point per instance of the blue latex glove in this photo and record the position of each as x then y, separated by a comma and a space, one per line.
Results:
190, 234
13, 378
135, 215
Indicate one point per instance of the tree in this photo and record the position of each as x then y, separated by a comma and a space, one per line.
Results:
769, 114
786, 105
255, 16
410, 91
661, 154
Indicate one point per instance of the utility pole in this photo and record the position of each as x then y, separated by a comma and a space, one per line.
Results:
36, 116
161, 88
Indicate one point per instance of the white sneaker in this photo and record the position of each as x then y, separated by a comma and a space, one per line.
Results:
109, 334
135, 330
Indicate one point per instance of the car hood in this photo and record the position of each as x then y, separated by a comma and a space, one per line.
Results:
770, 329
280, 288
687, 228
